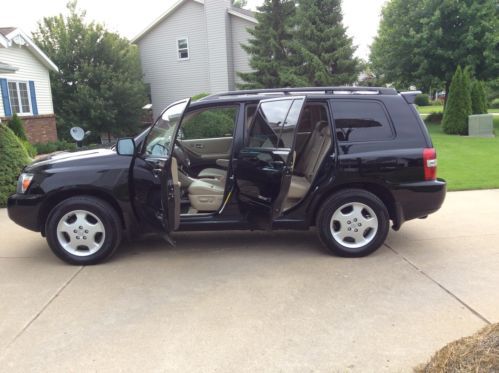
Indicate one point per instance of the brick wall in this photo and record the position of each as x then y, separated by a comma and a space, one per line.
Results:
40, 128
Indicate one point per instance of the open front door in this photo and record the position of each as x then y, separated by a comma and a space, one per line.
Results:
158, 152
264, 166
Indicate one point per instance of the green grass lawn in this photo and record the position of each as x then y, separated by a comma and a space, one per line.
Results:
467, 162
440, 108
430, 109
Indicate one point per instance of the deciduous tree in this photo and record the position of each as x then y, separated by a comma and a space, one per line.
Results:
421, 42
99, 85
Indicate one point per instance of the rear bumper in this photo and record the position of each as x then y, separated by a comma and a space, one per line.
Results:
417, 200
24, 210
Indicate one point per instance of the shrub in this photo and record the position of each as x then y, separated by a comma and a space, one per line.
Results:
458, 106
495, 103
437, 102
435, 117
422, 100
30, 148
199, 96
16, 125
50, 147
478, 98
13, 157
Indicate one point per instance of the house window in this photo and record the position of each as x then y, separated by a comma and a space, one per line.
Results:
19, 97
183, 48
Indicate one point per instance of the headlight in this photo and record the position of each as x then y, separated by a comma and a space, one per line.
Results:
24, 182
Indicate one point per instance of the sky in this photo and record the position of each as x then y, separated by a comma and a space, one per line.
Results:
129, 18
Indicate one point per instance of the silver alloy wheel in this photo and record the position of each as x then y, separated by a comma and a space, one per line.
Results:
81, 233
354, 225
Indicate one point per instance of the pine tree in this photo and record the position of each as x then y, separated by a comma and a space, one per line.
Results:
483, 107
466, 87
478, 98
268, 47
239, 3
322, 51
458, 107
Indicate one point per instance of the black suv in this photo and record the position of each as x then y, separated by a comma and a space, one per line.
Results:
344, 159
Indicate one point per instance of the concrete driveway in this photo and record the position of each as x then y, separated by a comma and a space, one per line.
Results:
253, 302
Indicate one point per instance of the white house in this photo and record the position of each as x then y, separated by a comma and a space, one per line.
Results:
25, 84
194, 47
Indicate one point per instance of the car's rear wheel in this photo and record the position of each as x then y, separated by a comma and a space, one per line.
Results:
353, 223
83, 230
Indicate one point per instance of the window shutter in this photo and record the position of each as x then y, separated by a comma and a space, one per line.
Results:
5, 97
34, 106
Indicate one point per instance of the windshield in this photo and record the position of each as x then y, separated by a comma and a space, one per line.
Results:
159, 142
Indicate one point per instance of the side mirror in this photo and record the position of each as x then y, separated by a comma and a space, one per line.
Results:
125, 146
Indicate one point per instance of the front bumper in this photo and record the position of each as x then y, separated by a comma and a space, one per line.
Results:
24, 210
418, 200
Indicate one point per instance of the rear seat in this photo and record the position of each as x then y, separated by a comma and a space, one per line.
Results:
309, 163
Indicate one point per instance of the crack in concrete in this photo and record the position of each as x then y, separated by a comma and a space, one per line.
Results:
467, 306
39, 313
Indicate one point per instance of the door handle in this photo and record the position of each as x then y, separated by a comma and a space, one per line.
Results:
199, 146
277, 164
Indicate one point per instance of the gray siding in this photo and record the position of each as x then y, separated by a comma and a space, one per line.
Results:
239, 56
169, 77
217, 24
215, 52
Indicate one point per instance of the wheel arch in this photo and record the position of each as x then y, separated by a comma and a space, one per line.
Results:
380, 191
55, 198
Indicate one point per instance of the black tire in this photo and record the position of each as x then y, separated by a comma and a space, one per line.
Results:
97, 208
326, 227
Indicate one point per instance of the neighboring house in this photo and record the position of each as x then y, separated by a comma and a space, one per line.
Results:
25, 85
194, 47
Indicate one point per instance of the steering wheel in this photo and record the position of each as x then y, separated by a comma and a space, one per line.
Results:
182, 157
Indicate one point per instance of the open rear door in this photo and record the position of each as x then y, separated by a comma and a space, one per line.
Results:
264, 166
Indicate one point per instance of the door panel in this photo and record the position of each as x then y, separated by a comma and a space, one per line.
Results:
173, 187
263, 168
260, 172
155, 180
170, 185
207, 134
214, 148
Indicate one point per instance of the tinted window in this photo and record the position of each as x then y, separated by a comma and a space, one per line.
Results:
361, 121
274, 123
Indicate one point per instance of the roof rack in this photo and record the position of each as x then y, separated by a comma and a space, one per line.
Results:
326, 90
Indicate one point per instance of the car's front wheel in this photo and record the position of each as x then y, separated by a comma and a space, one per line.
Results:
83, 230
353, 223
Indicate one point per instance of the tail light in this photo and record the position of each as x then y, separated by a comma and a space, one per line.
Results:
430, 163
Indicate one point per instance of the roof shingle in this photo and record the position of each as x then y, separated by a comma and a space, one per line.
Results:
6, 30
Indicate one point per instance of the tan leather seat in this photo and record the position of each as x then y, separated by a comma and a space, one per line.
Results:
216, 173
308, 165
205, 195
212, 173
